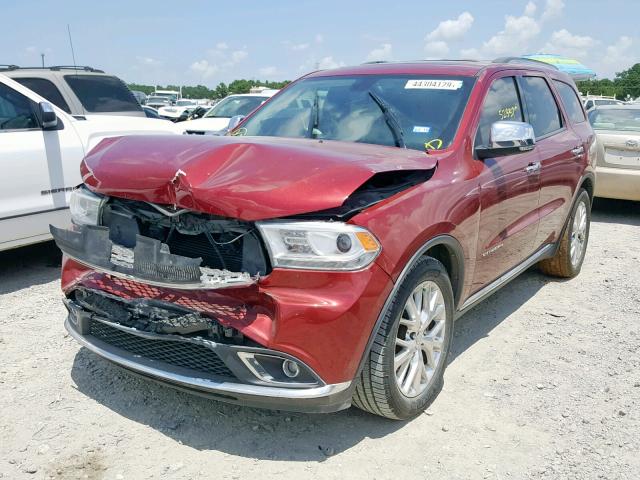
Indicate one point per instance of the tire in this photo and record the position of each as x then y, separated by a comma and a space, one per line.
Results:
382, 389
567, 263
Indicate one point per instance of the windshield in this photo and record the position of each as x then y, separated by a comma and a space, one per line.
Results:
185, 103
102, 93
157, 100
616, 119
419, 112
232, 106
170, 96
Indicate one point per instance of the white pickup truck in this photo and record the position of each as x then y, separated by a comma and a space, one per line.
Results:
41, 147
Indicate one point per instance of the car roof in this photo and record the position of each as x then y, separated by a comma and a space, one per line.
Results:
444, 67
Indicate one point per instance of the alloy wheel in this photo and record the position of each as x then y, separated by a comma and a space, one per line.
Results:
420, 339
578, 239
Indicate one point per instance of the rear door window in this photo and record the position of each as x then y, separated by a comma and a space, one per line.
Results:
571, 102
501, 103
102, 93
46, 89
542, 109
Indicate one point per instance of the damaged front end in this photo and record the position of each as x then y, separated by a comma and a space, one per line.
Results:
175, 249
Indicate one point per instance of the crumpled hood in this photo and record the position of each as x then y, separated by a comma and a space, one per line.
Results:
249, 178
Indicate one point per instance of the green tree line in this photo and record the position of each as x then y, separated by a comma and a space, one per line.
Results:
201, 91
626, 84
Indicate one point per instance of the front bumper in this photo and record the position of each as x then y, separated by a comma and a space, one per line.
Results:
322, 398
619, 183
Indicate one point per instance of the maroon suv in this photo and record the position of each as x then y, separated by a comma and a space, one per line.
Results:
319, 255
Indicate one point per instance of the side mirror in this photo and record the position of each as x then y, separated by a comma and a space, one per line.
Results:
508, 138
48, 116
235, 121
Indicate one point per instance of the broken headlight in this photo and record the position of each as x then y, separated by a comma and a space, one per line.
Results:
85, 206
319, 245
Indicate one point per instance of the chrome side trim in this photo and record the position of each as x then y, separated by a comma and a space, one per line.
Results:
507, 277
208, 385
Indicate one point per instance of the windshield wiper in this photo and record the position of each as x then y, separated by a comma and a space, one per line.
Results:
314, 118
391, 119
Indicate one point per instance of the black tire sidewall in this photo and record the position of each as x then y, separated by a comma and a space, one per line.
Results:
425, 269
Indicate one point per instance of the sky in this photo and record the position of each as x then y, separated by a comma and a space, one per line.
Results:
206, 42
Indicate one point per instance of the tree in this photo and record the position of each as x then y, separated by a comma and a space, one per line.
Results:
629, 81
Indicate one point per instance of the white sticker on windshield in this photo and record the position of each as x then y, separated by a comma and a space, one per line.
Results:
435, 84
419, 129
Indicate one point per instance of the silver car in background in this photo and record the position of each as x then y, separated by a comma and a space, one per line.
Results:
617, 128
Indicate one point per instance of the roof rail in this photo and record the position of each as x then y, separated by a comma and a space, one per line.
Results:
83, 68
75, 67
524, 61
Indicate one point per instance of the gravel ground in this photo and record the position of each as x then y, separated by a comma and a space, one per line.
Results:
543, 382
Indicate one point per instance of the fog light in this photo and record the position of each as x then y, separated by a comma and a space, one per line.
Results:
290, 368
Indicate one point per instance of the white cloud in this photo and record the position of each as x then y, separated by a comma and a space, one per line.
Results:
239, 55
319, 38
530, 9
222, 46
515, 36
451, 29
470, 53
268, 71
436, 49
552, 9
618, 57
385, 52
149, 62
298, 47
329, 62
204, 68
566, 43
31, 50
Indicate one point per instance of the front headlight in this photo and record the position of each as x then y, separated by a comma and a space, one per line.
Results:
85, 206
319, 245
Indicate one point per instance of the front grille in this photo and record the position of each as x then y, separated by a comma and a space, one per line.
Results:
223, 257
181, 354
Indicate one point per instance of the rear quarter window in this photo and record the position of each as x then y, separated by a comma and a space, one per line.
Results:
542, 109
102, 93
570, 101
46, 89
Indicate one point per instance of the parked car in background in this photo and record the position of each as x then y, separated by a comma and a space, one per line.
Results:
175, 111
172, 95
83, 91
141, 97
216, 120
317, 257
591, 101
151, 112
157, 102
618, 154
41, 147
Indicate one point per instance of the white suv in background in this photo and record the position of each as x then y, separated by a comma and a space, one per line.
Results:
41, 147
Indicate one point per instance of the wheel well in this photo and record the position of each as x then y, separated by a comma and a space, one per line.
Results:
447, 256
587, 184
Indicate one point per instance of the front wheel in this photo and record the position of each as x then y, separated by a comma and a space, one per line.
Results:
567, 262
404, 370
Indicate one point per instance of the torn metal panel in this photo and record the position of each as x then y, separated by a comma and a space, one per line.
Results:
150, 261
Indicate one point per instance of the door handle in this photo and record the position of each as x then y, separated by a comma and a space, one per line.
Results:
578, 150
533, 168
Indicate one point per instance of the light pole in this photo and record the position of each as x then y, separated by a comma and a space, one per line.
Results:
42, 55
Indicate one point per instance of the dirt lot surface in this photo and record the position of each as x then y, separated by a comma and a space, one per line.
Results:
543, 382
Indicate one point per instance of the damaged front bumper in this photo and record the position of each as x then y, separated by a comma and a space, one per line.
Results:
149, 261
223, 373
